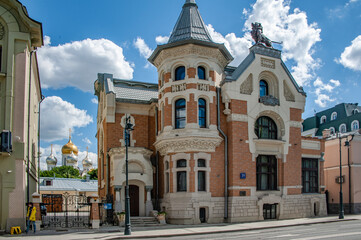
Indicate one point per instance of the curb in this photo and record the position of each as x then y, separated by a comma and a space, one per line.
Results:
224, 231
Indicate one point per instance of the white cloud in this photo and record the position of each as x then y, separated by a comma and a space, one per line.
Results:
57, 116
45, 152
298, 36
94, 100
324, 90
237, 46
87, 141
142, 47
77, 64
351, 56
161, 39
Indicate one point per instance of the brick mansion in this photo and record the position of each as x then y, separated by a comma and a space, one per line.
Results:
211, 142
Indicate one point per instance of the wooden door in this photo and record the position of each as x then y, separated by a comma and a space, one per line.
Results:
134, 200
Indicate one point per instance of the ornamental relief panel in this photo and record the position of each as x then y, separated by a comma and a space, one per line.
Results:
247, 86
268, 63
287, 92
189, 50
179, 87
187, 145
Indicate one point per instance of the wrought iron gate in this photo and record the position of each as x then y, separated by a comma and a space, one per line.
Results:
66, 211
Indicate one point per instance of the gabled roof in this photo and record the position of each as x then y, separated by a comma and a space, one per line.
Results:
190, 25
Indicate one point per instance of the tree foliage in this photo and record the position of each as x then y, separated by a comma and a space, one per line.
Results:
61, 172
93, 173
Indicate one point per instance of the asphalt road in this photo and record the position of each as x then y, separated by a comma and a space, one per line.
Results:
346, 230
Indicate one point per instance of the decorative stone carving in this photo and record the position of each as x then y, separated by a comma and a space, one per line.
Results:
203, 87
268, 63
269, 100
287, 92
179, 87
2, 31
189, 144
247, 86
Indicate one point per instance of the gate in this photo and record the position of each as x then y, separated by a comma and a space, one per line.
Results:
66, 211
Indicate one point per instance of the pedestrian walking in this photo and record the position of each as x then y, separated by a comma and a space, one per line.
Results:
30, 217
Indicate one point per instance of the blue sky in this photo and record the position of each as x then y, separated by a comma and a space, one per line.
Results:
321, 47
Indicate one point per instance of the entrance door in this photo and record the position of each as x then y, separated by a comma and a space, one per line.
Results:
134, 200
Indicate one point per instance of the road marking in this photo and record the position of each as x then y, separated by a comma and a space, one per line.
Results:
329, 236
286, 235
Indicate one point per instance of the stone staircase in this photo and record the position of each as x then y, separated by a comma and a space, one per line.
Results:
144, 221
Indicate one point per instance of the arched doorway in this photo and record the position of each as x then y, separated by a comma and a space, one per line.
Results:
134, 200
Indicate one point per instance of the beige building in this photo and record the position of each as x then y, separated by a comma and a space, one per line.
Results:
351, 171
20, 97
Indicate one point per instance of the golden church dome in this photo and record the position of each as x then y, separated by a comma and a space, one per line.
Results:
69, 148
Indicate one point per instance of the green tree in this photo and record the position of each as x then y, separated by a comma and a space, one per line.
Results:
93, 173
61, 172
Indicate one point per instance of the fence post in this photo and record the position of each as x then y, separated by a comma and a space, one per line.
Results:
94, 211
36, 202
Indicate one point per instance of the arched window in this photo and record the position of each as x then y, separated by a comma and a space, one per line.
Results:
355, 111
323, 119
202, 113
263, 88
266, 128
333, 116
332, 130
181, 176
355, 125
180, 113
342, 128
202, 73
180, 73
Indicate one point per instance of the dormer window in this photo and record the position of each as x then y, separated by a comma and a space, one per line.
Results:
323, 119
355, 125
355, 111
333, 116
332, 130
201, 73
48, 183
180, 73
263, 88
343, 128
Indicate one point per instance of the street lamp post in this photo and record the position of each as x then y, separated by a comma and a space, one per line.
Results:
341, 212
127, 129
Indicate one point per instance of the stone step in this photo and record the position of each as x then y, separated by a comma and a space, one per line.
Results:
144, 221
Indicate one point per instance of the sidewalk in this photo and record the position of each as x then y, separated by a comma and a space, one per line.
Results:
114, 232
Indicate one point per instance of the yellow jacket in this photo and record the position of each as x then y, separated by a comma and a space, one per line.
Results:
32, 215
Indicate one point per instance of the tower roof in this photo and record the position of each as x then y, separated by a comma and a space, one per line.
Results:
190, 25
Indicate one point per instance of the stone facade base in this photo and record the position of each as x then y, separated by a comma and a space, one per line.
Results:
186, 209
13, 222
333, 208
95, 224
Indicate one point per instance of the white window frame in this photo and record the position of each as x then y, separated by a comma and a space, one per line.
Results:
334, 130
333, 116
321, 120
358, 125
175, 158
207, 169
340, 127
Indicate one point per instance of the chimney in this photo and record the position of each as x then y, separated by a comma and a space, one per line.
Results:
326, 133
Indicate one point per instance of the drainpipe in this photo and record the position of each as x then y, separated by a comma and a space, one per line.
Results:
156, 163
225, 156
41, 100
28, 152
107, 172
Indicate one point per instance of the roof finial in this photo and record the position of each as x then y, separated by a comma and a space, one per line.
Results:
190, 1
51, 146
69, 133
87, 150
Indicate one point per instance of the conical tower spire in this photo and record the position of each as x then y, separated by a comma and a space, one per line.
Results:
190, 25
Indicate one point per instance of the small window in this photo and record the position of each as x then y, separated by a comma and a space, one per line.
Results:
166, 165
333, 116
332, 130
323, 119
265, 128
355, 125
181, 163
48, 183
343, 128
180, 73
167, 182
201, 163
201, 73
202, 113
201, 181
180, 113
269, 211
263, 88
